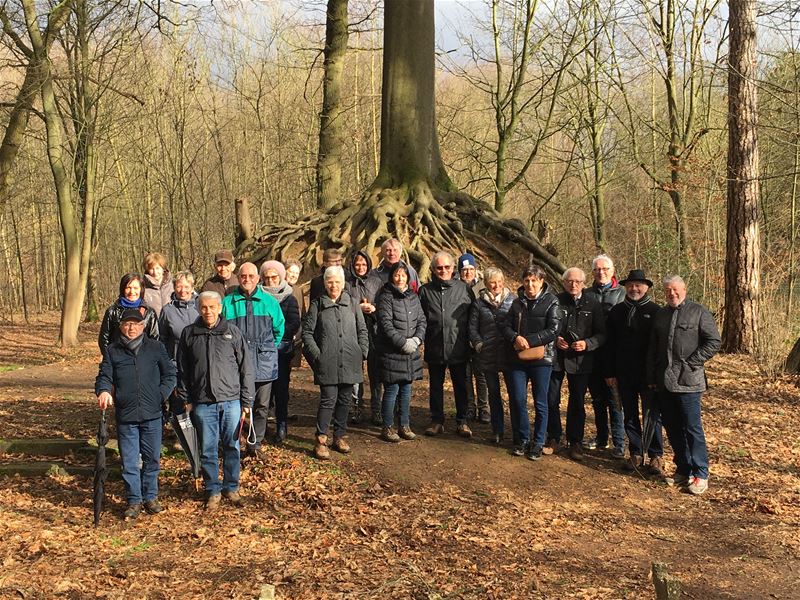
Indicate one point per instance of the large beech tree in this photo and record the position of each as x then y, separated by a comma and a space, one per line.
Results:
412, 197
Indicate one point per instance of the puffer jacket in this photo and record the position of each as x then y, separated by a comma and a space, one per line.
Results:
260, 319
400, 318
607, 297
109, 328
681, 342
486, 320
214, 364
536, 320
446, 305
140, 382
580, 320
158, 295
175, 317
381, 275
335, 340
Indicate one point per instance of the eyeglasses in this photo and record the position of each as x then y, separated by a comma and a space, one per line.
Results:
443, 267
248, 276
573, 281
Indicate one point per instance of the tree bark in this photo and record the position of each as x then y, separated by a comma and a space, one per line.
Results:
329, 159
742, 264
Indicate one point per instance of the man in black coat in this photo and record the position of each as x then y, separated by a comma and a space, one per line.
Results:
629, 326
137, 377
607, 291
446, 304
582, 331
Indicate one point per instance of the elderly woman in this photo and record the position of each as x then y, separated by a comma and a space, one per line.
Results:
492, 352
130, 296
531, 326
293, 271
401, 329
158, 285
179, 312
273, 281
335, 344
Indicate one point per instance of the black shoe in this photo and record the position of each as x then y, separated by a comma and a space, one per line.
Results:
153, 507
534, 452
132, 511
519, 449
280, 435
485, 417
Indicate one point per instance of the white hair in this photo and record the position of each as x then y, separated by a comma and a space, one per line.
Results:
670, 279
600, 257
209, 295
573, 270
493, 273
443, 254
392, 242
335, 272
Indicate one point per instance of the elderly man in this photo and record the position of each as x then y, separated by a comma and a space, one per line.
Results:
391, 251
582, 331
332, 257
224, 281
446, 303
629, 326
608, 293
684, 338
216, 379
260, 319
477, 394
136, 377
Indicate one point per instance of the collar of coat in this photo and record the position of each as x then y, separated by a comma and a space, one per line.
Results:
258, 295
326, 302
220, 328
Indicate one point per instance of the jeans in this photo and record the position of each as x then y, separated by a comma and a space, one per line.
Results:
215, 423
539, 375
391, 393
576, 411
140, 439
458, 375
495, 399
280, 390
603, 407
681, 416
261, 411
631, 391
477, 394
334, 401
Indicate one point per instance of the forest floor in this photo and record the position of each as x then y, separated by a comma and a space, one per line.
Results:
429, 518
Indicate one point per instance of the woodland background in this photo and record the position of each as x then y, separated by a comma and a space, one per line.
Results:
616, 141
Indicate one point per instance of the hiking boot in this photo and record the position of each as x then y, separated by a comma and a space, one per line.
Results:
281, 433
321, 451
212, 502
534, 452
656, 467
233, 497
340, 445
618, 452
406, 433
634, 463
388, 435
132, 511
153, 507
434, 429
678, 480
377, 417
550, 447
698, 485
484, 416
463, 430
576, 452
519, 449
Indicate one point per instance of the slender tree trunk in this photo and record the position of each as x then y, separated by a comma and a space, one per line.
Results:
742, 264
329, 160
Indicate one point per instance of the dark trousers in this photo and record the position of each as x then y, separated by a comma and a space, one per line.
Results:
604, 410
631, 391
261, 411
280, 390
477, 391
681, 416
576, 411
495, 399
375, 385
334, 401
458, 375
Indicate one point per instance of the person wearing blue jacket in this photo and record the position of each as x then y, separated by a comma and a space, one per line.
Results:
136, 377
260, 319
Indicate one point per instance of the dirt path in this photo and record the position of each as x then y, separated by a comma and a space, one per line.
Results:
431, 517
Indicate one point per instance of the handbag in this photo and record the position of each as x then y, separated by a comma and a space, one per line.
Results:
532, 353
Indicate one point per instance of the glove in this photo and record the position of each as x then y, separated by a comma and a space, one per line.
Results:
417, 341
479, 347
409, 347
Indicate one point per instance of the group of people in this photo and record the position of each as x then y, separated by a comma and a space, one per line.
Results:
229, 351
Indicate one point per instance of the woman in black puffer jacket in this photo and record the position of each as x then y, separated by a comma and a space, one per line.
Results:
486, 319
131, 292
401, 329
532, 322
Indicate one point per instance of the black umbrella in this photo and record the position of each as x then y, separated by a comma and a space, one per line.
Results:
187, 436
100, 469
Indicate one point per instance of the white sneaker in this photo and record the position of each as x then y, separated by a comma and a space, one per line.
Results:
698, 486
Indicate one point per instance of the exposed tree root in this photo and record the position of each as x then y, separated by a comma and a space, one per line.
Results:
426, 220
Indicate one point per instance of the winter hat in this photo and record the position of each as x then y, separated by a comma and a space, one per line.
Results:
466, 260
276, 266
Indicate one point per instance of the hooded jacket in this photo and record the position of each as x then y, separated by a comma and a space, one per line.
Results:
109, 328
486, 321
446, 305
175, 317
400, 318
140, 381
537, 320
158, 295
214, 364
364, 286
581, 319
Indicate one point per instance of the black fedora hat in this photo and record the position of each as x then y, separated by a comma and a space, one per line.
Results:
636, 275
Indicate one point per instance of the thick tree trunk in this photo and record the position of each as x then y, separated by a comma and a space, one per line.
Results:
329, 160
742, 264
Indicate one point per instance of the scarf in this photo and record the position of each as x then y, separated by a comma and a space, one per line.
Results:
125, 303
280, 293
632, 306
132, 344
